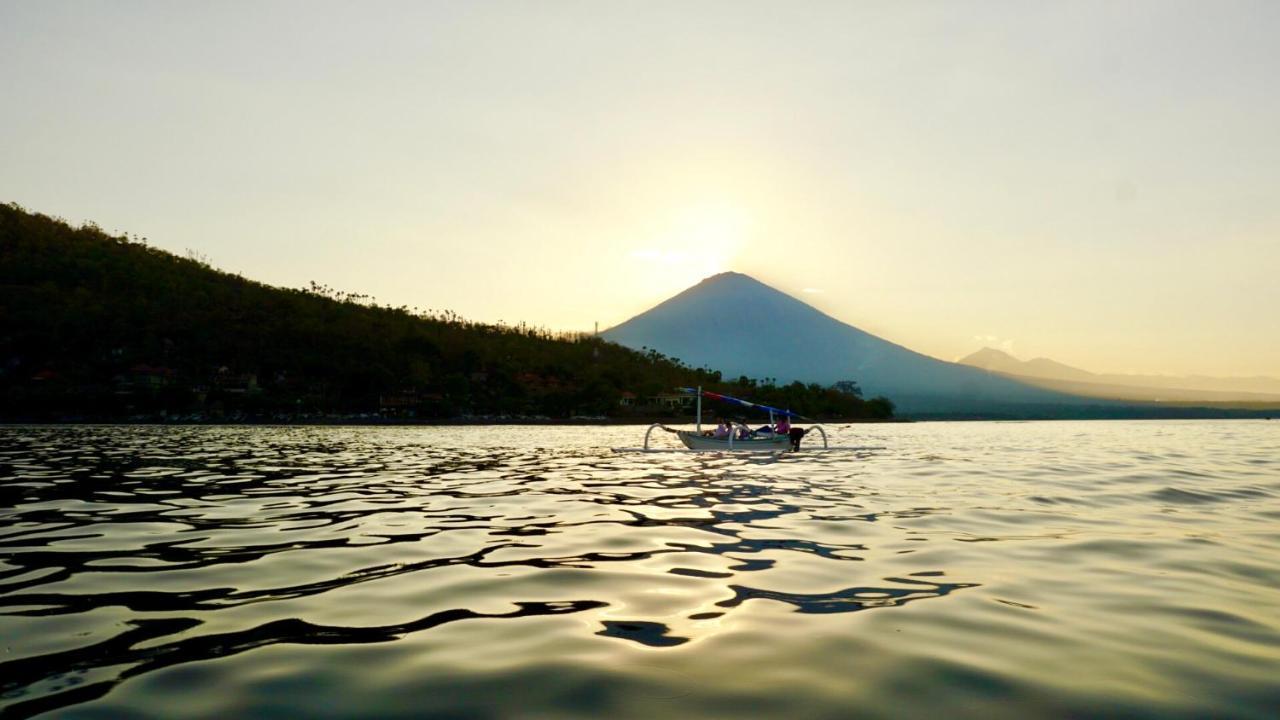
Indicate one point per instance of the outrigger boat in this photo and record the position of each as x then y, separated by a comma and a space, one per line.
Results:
750, 441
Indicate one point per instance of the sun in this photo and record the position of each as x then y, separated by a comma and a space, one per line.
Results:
699, 242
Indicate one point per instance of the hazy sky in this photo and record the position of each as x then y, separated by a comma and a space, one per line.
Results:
1094, 182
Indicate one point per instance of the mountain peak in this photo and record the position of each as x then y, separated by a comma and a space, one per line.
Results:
994, 360
736, 324
732, 289
729, 277
726, 275
1044, 372
986, 357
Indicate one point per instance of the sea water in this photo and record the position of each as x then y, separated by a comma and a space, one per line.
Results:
983, 570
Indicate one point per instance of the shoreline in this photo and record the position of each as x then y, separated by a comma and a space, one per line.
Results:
397, 422
584, 423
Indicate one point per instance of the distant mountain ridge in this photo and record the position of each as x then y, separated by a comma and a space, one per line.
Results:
1055, 375
739, 325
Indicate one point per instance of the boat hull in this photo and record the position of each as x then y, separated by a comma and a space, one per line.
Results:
767, 443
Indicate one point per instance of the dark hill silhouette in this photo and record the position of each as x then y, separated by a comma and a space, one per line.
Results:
742, 326
97, 327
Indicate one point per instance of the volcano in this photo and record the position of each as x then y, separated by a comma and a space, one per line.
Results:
740, 326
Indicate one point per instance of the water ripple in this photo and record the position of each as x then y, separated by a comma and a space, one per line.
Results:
1071, 569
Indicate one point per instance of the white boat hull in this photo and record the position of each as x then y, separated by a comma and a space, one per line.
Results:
762, 443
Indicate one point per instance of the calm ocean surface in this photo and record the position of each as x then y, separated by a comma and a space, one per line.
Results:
972, 570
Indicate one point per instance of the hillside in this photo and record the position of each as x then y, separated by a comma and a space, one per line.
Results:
103, 327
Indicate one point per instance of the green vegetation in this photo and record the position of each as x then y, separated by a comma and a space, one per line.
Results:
98, 327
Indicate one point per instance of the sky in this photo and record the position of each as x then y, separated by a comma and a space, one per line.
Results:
1094, 182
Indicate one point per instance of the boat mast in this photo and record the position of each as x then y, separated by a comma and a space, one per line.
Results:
699, 420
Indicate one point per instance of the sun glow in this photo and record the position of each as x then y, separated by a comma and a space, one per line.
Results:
700, 242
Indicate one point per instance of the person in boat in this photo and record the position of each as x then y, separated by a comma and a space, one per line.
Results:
784, 426
722, 430
796, 435
744, 432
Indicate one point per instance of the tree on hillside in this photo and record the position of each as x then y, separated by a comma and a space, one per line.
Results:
99, 326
